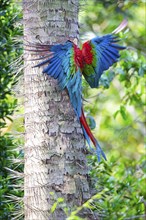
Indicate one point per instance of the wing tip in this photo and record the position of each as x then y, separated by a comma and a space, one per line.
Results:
123, 24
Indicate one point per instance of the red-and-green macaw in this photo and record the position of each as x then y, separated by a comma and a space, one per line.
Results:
67, 63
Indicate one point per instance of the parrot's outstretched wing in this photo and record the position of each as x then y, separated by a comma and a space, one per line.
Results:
61, 65
99, 54
60, 62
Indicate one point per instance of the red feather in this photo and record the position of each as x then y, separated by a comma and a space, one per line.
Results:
87, 53
86, 127
78, 58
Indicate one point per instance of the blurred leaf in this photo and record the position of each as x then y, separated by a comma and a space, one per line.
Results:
123, 112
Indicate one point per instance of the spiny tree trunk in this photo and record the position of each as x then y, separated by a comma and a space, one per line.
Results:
55, 163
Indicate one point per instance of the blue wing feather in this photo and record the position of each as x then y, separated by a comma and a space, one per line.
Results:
59, 67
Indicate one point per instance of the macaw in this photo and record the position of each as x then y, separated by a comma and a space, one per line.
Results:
67, 63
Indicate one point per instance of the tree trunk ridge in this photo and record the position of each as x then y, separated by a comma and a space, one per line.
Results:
55, 162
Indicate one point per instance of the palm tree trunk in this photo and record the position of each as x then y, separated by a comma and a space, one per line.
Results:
55, 163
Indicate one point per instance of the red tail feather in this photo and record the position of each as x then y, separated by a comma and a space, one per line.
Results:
86, 127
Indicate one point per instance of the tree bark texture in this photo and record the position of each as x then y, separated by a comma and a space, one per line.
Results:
55, 162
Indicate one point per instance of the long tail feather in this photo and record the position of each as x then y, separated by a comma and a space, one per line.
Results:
90, 135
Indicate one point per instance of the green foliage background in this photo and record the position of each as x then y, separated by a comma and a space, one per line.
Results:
117, 107
9, 15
